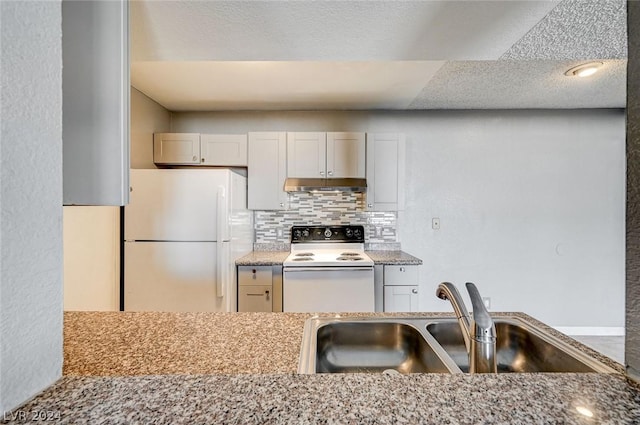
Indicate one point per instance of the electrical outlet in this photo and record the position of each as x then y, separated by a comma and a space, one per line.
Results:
435, 223
487, 302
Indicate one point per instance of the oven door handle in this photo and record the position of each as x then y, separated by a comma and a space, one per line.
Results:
326, 269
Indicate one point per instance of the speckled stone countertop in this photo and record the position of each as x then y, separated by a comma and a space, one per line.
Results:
262, 258
274, 258
393, 258
239, 368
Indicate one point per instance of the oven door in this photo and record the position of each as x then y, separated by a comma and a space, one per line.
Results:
328, 289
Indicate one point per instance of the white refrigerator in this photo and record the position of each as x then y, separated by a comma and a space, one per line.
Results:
183, 231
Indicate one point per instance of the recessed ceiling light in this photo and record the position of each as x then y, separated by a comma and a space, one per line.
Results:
584, 70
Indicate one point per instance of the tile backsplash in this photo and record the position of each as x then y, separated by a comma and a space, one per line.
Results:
331, 208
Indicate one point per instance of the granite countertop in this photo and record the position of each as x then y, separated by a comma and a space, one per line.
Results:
262, 258
274, 258
240, 368
393, 258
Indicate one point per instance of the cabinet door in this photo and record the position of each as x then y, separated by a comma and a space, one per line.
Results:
176, 148
401, 298
227, 150
385, 171
95, 93
306, 155
267, 171
346, 155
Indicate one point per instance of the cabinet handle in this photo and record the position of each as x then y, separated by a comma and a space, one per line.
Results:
330, 173
322, 173
194, 158
282, 204
414, 291
369, 205
402, 269
267, 294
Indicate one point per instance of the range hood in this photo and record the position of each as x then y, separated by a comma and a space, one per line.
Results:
325, 185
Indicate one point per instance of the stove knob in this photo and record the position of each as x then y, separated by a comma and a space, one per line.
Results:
297, 234
327, 233
305, 233
357, 233
349, 232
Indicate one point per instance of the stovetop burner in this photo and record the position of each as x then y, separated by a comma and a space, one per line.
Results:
328, 246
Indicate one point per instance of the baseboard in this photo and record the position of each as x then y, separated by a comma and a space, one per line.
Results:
596, 331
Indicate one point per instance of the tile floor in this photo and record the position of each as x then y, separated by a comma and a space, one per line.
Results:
612, 346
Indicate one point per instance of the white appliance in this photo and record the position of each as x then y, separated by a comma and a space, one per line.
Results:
328, 271
184, 229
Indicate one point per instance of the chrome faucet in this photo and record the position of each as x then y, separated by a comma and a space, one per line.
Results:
479, 333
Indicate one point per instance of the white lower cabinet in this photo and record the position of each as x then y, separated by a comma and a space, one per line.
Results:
401, 288
259, 288
401, 298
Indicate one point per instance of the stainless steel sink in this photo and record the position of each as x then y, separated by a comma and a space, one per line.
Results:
430, 345
520, 347
332, 345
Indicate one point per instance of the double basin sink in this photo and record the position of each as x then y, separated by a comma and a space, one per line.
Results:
431, 345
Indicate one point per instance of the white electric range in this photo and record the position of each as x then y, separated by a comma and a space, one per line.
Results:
328, 271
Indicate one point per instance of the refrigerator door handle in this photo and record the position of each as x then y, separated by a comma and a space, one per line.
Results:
221, 223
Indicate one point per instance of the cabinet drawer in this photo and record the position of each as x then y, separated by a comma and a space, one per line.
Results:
400, 275
255, 275
255, 298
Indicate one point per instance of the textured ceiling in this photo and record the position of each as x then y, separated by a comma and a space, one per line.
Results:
231, 55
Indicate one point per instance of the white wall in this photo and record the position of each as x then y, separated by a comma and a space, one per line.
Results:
531, 203
147, 117
531, 208
91, 240
30, 200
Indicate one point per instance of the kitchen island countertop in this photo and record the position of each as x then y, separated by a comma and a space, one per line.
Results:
240, 368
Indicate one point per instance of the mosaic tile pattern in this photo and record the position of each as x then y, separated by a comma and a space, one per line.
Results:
315, 209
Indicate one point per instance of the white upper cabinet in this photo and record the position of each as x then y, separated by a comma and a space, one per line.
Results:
228, 150
267, 171
95, 102
223, 150
176, 148
325, 155
385, 171
346, 155
306, 154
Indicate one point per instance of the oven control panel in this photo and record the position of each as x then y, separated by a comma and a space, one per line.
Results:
348, 233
